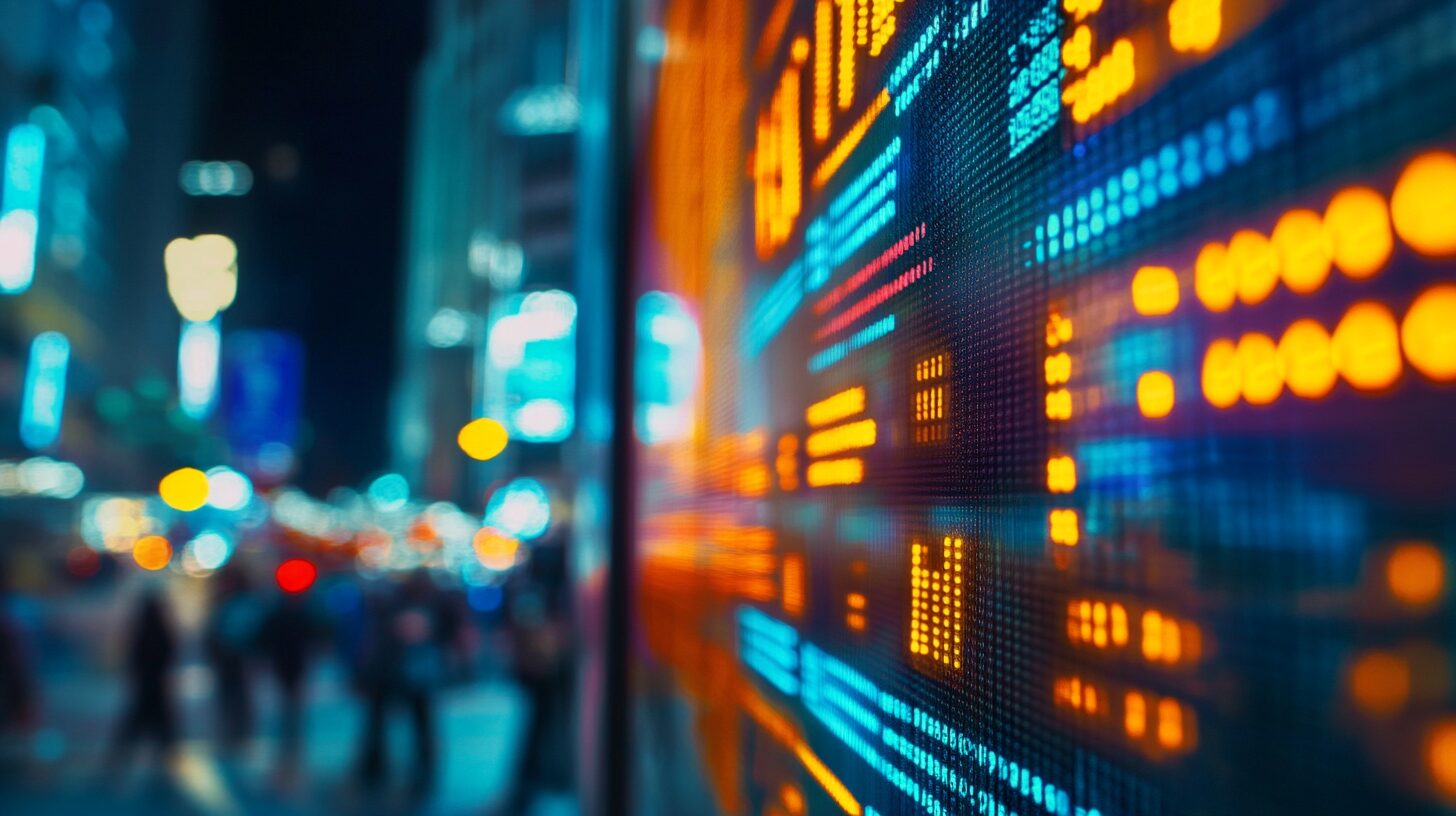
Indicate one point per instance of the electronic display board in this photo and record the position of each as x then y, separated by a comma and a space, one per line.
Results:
1045, 407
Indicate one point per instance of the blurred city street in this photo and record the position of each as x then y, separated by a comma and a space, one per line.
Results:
289, 471
63, 767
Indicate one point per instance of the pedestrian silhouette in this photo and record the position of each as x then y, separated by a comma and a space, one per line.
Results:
19, 700
231, 638
539, 621
404, 668
288, 641
150, 715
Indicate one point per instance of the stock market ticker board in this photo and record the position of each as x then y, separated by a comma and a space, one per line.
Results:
1045, 407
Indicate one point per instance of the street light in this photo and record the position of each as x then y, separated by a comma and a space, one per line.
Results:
202, 280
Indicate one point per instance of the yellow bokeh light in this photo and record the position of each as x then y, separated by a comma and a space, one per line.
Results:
1058, 368
483, 439
1061, 474
829, 472
1213, 278
1170, 723
1428, 333
1415, 573
1064, 528
1154, 290
1366, 347
1260, 368
1155, 394
184, 489
1058, 330
1423, 205
1304, 250
840, 438
1135, 714
1059, 405
844, 404
1255, 266
1357, 223
495, 549
152, 552
1194, 25
1309, 368
1077, 50
1222, 379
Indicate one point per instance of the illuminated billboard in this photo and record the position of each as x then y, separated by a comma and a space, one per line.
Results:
1044, 406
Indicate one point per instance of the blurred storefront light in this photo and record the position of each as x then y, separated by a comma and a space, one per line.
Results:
25, 149
501, 262
531, 352
199, 353
114, 523
207, 551
43, 401
521, 509
389, 492
448, 328
496, 550
669, 354
541, 110
228, 489
215, 178
41, 477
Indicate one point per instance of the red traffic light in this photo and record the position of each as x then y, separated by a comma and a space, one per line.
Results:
295, 575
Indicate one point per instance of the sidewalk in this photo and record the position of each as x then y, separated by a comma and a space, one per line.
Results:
479, 726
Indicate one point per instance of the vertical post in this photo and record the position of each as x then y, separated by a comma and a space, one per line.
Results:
602, 548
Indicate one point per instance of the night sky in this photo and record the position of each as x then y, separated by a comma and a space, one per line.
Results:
320, 239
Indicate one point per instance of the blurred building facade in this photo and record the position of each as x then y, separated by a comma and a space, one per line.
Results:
91, 158
486, 290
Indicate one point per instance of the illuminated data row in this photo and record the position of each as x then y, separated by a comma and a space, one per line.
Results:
1063, 522
831, 444
915, 750
1368, 347
1157, 724
1114, 626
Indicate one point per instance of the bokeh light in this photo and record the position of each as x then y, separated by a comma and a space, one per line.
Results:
1380, 682
1415, 573
202, 275
495, 549
1423, 205
521, 509
1428, 333
185, 489
1357, 223
228, 489
483, 439
1155, 394
389, 492
152, 552
209, 550
1366, 347
295, 575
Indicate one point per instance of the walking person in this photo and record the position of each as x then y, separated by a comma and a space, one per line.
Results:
151, 653
288, 638
231, 638
540, 649
405, 668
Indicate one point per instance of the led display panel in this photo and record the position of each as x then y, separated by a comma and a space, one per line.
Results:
1044, 407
